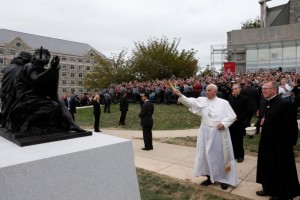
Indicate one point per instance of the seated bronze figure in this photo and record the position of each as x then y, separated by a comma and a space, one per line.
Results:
35, 114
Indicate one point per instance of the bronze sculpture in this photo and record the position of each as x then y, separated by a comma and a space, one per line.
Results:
37, 115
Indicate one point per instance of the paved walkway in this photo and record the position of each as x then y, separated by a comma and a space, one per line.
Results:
178, 161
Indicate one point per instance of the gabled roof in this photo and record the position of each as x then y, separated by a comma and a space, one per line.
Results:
52, 44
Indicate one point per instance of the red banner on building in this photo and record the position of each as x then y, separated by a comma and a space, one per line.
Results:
229, 67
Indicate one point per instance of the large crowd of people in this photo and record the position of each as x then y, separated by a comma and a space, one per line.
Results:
160, 92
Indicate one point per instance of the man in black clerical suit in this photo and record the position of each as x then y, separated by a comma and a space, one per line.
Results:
146, 113
276, 168
239, 104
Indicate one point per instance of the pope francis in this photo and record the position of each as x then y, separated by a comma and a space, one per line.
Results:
214, 153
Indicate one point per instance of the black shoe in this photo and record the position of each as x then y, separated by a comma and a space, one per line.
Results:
206, 182
224, 186
239, 160
151, 148
146, 149
262, 193
98, 131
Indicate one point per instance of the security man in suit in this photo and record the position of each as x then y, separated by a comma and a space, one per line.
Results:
123, 108
253, 100
146, 113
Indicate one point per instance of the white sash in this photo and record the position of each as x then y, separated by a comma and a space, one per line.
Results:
209, 122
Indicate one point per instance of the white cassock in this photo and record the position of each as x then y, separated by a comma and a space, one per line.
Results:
214, 152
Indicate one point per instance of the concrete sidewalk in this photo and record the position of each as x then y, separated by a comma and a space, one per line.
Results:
178, 161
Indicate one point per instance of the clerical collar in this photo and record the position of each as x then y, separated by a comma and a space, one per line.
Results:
272, 97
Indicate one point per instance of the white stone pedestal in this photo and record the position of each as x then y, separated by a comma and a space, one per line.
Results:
88, 168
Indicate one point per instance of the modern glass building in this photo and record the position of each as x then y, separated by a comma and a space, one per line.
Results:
276, 44
286, 54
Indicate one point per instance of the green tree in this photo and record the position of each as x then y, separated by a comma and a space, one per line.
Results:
122, 68
158, 59
101, 75
251, 24
108, 71
207, 71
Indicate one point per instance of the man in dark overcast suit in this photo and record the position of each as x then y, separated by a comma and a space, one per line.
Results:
146, 113
123, 108
253, 100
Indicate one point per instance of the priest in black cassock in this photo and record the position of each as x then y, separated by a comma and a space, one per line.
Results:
276, 168
237, 130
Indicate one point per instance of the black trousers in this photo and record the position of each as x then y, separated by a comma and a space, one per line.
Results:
96, 122
248, 118
107, 106
122, 117
147, 135
237, 137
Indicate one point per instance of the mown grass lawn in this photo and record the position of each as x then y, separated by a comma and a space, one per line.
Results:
166, 117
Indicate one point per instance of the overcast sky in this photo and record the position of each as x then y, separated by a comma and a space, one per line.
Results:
113, 25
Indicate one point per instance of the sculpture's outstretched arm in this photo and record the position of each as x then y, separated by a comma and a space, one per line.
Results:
46, 75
